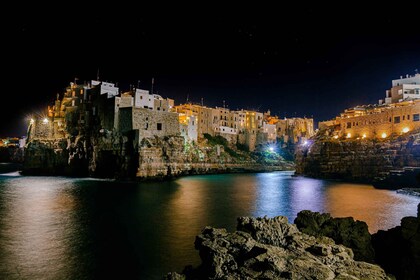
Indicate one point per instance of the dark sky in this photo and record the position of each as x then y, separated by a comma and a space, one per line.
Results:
297, 60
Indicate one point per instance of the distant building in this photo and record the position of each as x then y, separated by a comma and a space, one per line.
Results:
399, 114
403, 89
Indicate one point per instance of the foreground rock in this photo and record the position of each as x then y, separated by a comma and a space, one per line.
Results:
398, 249
264, 248
346, 231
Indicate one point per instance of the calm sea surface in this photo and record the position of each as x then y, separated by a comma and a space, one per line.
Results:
67, 228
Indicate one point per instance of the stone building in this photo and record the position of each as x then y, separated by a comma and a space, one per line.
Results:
203, 114
380, 121
148, 123
399, 114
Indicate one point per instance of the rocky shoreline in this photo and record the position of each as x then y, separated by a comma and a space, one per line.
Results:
317, 246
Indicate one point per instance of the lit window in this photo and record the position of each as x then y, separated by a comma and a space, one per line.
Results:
416, 117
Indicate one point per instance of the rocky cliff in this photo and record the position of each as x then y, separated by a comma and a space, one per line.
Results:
264, 248
115, 155
360, 160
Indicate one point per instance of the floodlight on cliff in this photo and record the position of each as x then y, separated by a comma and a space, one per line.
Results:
45, 121
32, 121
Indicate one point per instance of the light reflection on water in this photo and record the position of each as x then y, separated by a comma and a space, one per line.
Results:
63, 228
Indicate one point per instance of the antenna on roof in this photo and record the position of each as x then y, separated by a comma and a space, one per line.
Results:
138, 83
187, 98
224, 104
153, 83
202, 101
97, 75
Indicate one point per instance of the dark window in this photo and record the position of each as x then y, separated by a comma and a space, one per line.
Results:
416, 117
159, 126
408, 117
403, 117
147, 126
349, 125
390, 120
397, 119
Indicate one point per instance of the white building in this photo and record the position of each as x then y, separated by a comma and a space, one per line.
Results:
106, 88
143, 99
189, 128
407, 88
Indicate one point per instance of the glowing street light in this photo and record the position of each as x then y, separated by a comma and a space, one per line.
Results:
271, 149
405, 130
45, 121
384, 135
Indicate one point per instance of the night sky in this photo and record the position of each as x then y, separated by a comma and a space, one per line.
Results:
296, 60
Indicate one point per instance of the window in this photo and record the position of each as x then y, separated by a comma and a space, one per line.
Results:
404, 118
159, 126
397, 119
408, 117
146, 127
416, 117
349, 125
141, 97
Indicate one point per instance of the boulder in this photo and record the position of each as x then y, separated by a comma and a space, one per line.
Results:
346, 231
398, 249
271, 248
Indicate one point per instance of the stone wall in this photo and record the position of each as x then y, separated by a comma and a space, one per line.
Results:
155, 123
396, 120
362, 159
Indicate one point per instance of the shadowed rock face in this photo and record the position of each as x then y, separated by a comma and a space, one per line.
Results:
264, 248
357, 160
346, 231
398, 249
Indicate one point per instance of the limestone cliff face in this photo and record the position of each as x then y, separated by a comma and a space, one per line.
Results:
362, 160
115, 155
171, 157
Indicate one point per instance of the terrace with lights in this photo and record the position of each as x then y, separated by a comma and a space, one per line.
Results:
396, 115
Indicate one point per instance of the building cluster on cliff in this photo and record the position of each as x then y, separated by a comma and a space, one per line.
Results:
101, 104
395, 115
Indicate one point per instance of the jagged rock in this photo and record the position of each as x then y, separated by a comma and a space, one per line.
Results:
398, 249
346, 231
264, 248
